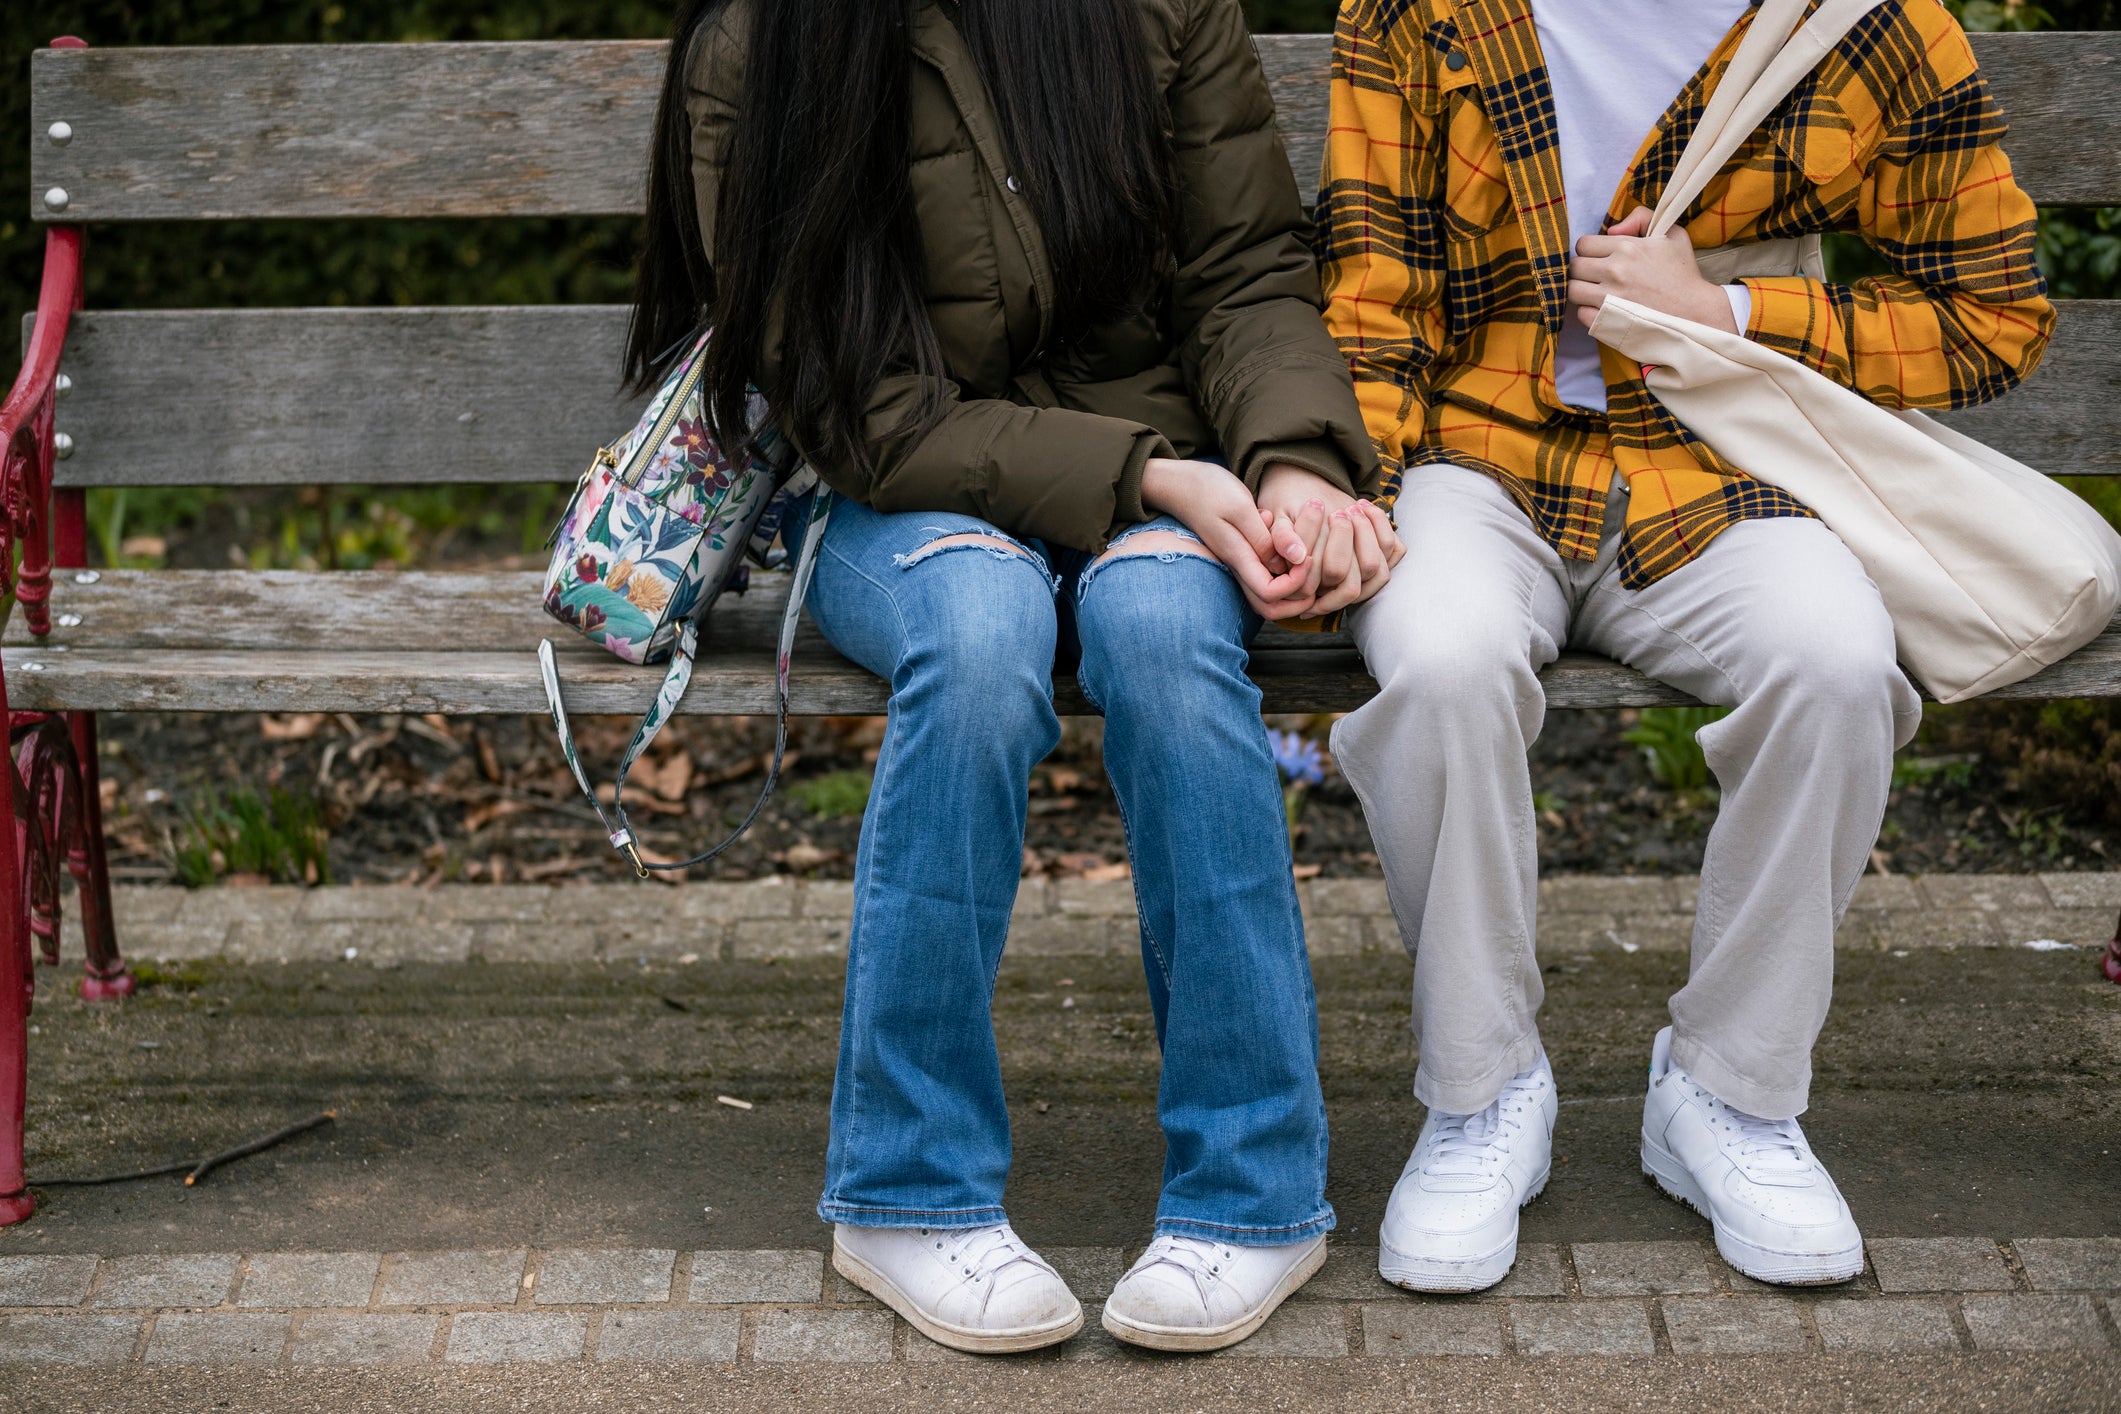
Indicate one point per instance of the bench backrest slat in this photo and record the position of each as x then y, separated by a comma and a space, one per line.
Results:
561, 128
520, 394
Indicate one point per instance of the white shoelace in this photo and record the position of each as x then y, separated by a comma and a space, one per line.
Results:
981, 1252
1197, 1257
1764, 1148
1467, 1145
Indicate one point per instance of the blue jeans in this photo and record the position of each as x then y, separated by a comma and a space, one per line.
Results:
967, 636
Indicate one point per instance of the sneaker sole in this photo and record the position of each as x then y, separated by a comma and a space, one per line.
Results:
1193, 1338
1454, 1278
1749, 1258
972, 1342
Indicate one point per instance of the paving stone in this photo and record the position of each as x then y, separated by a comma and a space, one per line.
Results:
276, 903
1686, 892
1083, 899
45, 1281
1091, 1272
2033, 1322
1537, 1273
454, 1278
539, 940
141, 905
1365, 897
1607, 893
1938, 1264
371, 942
842, 1292
510, 1337
187, 1279
1641, 1268
571, 1277
1990, 892
68, 1340
365, 1338
308, 1279
2101, 890
670, 1337
1561, 933
2053, 1263
1340, 935
734, 1277
178, 941
1581, 1328
1916, 1324
1313, 1331
833, 1337
763, 937
1408, 1329
1071, 936
1879, 891
1733, 1325
772, 897
496, 903
826, 898
1929, 928
217, 1338
360, 904
1350, 1274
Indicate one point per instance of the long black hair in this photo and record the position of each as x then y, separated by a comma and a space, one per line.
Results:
816, 230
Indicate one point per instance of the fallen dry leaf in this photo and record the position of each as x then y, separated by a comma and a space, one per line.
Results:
1309, 871
551, 869
805, 855
673, 777
296, 726
1108, 873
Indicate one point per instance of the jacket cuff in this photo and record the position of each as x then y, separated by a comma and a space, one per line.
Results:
1321, 456
1127, 507
1792, 315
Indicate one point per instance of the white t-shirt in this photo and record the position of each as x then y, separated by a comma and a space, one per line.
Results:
1615, 67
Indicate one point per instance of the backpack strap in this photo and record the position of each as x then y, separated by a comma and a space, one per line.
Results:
675, 681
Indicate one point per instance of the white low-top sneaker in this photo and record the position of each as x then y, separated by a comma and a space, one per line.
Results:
978, 1289
1777, 1214
1188, 1293
1452, 1221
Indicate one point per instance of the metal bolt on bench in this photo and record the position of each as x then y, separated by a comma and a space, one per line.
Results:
230, 397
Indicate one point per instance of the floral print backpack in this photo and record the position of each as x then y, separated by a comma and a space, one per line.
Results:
660, 525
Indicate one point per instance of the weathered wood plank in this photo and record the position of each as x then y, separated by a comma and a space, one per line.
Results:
561, 128
321, 396
236, 641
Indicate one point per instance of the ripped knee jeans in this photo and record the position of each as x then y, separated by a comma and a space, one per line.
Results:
968, 625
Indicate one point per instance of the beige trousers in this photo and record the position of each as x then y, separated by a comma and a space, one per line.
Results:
1775, 619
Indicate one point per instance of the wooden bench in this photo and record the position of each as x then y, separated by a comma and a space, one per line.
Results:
523, 394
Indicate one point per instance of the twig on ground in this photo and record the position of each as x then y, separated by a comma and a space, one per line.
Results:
196, 1169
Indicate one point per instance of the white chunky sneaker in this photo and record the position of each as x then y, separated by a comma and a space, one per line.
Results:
1777, 1214
1188, 1293
1452, 1221
978, 1289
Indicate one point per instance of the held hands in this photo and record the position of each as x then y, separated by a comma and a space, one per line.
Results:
1657, 273
1311, 550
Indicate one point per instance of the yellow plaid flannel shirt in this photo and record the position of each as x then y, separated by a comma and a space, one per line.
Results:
1444, 246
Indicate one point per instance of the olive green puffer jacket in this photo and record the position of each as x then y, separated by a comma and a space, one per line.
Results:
1049, 442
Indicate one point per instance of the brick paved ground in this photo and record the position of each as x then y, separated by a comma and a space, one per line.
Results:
1641, 1299
779, 918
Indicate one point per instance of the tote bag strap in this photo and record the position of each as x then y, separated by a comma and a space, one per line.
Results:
1772, 59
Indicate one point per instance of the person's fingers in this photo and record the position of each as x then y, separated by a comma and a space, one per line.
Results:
1369, 555
1287, 543
1585, 295
1387, 533
1346, 588
1228, 544
1311, 529
1585, 315
1635, 223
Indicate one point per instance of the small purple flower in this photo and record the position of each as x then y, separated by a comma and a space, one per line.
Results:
1298, 757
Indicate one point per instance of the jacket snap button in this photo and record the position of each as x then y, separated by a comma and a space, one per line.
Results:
1010, 182
1455, 60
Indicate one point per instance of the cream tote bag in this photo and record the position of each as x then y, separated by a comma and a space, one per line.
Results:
1989, 570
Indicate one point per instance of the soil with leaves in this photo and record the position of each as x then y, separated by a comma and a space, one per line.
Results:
316, 798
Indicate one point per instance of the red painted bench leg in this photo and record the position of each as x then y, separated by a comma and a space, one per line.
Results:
17, 989
106, 975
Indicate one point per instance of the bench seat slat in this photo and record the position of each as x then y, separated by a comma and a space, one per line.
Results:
525, 394
241, 641
560, 128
